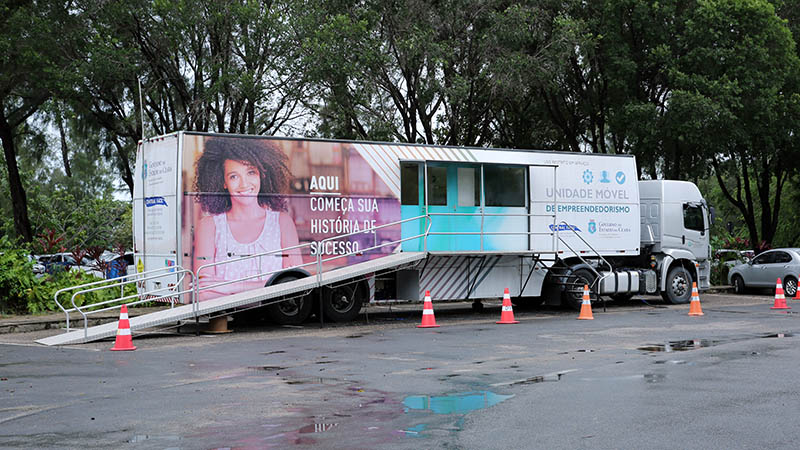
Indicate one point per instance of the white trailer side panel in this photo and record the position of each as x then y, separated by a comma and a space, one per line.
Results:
156, 207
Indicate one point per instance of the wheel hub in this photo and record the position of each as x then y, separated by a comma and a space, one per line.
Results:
340, 302
679, 286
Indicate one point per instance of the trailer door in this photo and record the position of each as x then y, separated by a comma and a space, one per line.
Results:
453, 202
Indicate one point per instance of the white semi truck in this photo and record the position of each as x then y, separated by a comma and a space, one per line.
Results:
471, 222
226, 223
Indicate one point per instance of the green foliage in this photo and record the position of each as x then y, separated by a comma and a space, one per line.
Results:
21, 292
41, 297
17, 281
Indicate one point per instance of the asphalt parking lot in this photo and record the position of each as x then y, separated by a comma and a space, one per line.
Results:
640, 375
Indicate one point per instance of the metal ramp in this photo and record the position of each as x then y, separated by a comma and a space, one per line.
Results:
236, 300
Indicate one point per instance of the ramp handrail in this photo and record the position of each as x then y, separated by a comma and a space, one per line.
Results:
483, 233
599, 277
119, 282
318, 261
321, 260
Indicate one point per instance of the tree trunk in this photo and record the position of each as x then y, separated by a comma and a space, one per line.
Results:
19, 202
64, 149
125, 165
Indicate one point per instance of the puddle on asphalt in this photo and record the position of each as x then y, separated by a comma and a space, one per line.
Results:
454, 403
693, 344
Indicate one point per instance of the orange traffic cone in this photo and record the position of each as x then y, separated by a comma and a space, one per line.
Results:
428, 321
124, 339
586, 305
797, 290
780, 300
694, 305
507, 316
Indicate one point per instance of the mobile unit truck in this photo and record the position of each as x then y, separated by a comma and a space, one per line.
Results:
392, 221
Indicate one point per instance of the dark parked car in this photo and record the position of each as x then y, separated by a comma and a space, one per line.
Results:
765, 269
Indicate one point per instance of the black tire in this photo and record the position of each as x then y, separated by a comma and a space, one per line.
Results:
679, 286
622, 297
527, 302
790, 286
341, 303
573, 292
738, 284
291, 311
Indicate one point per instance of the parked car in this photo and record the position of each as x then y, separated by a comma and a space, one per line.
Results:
38, 267
732, 258
56, 262
119, 265
765, 269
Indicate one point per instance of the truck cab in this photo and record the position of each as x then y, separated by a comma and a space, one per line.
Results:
675, 222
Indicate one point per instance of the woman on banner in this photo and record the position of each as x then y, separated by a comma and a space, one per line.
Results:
241, 184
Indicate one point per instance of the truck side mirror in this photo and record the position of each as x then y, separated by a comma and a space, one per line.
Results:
713, 213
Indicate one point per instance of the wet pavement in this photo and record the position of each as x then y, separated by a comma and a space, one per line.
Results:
637, 376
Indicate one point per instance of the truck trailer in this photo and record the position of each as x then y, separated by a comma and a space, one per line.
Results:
291, 226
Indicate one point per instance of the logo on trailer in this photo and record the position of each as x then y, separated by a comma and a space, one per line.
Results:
154, 201
144, 171
588, 176
604, 177
564, 227
592, 226
620, 177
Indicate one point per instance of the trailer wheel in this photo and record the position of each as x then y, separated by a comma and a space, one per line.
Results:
292, 311
679, 286
341, 303
573, 293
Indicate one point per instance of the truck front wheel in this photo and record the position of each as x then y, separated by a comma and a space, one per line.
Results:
679, 286
573, 293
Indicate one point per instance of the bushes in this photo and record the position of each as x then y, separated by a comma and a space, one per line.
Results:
17, 281
719, 273
42, 296
23, 293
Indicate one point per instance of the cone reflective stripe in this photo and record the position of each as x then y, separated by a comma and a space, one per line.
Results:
780, 299
507, 315
124, 340
428, 320
694, 306
586, 305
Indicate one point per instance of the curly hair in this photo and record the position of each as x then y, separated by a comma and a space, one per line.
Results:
259, 153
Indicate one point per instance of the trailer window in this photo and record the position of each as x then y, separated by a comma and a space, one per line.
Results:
437, 186
409, 184
693, 217
469, 186
504, 186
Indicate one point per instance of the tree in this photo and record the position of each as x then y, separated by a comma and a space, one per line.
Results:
741, 60
411, 71
35, 37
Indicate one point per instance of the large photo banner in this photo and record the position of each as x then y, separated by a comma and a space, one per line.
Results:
247, 196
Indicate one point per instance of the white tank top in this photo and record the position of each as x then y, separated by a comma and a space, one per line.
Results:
227, 247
